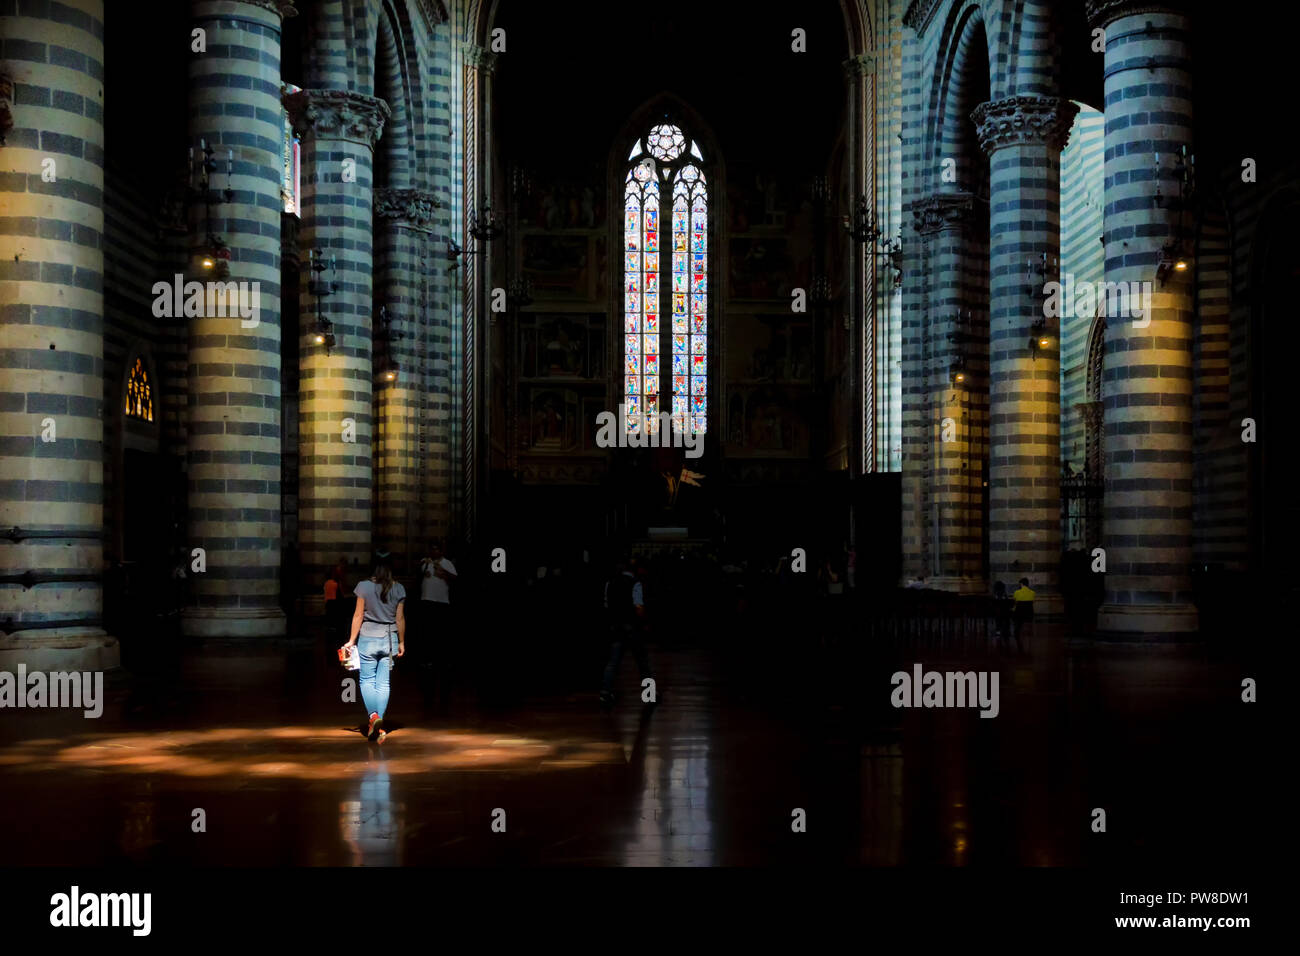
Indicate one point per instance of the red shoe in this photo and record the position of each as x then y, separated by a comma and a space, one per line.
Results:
374, 719
383, 734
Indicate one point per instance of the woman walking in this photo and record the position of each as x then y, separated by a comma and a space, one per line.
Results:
379, 621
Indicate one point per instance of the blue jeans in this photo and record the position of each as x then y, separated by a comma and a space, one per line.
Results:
376, 665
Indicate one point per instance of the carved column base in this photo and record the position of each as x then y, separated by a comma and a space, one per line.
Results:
1151, 622
232, 622
60, 649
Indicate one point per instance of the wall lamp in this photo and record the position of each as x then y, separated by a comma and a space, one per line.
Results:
484, 226
214, 254
864, 227
214, 257
325, 334
893, 252
1039, 337
1173, 261
1036, 273
321, 288
386, 333
1183, 172
957, 371
960, 337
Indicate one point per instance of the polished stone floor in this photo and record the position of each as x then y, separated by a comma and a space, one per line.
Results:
259, 740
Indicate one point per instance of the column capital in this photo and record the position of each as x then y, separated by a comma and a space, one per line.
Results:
1024, 121
406, 207
864, 64
942, 211
1104, 12
284, 9
337, 114
477, 56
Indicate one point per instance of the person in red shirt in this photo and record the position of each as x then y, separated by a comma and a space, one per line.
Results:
333, 583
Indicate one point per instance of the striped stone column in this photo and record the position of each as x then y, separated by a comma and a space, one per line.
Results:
403, 218
1147, 390
52, 338
233, 369
860, 380
478, 66
952, 420
916, 436
1023, 136
339, 130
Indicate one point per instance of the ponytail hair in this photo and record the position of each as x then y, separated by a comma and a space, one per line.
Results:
383, 576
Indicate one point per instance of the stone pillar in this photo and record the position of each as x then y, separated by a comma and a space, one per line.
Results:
916, 440
403, 218
234, 436
1023, 136
859, 391
475, 273
338, 129
951, 423
1147, 391
52, 338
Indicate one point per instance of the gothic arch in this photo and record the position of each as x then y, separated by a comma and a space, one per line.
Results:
963, 81
1032, 50
1094, 411
392, 82
859, 26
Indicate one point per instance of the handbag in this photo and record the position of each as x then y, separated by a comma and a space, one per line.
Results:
350, 657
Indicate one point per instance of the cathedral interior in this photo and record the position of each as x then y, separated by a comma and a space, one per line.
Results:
960, 298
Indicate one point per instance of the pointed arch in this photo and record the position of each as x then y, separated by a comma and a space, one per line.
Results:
391, 82
963, 80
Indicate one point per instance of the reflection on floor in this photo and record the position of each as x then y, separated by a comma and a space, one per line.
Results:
258, 739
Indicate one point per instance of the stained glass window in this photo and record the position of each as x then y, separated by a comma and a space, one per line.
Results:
676, 348
139, 395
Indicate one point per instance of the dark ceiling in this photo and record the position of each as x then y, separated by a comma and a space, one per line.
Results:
573, 74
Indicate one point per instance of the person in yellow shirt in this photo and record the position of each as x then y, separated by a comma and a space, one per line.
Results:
1023, 611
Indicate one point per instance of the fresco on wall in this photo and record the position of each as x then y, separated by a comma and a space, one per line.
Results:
757, 201
766, 422
563, 206
760, 268
773, 425
561, 346
553, 421
559, 267
768, 348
